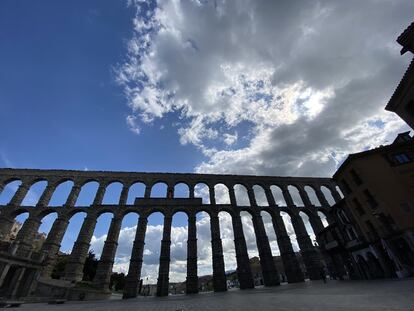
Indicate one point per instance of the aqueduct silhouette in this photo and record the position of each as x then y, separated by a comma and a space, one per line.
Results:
23, 267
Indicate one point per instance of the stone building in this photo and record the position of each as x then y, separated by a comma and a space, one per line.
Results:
258, 275
176, 288
379, 209
38, 240
340, 239
205, 283
402, 101
11, 236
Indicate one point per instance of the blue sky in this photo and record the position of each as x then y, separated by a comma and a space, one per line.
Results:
60, 104
242, 87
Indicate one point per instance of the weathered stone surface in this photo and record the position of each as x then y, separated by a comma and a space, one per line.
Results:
169, 205
135, 264
192, 278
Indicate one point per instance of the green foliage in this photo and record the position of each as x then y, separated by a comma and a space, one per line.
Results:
117, 282
59, 269
89, 269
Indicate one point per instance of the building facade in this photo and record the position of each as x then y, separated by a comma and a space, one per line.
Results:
371, 230
11, 236
375, 220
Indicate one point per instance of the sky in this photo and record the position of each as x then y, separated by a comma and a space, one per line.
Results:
241, 87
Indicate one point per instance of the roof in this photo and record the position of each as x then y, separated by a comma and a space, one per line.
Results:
405, 81
406, 39
396, 144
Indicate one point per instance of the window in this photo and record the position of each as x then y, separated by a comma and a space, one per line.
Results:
355, 177
342, 216
401, 158
347, 189
370, 199
358, 207
387, 222
372, 232
351, 234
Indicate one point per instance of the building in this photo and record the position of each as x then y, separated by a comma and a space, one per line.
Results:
11, 236
38, 241
205, 283
379, 209
402, 101
371, 230
257, 271
177, 288
339, 240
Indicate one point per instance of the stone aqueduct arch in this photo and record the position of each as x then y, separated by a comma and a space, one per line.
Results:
168, 206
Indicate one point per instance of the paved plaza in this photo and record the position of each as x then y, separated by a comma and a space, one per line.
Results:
335, 295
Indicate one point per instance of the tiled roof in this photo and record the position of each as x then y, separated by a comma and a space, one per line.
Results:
406, 39
404, 81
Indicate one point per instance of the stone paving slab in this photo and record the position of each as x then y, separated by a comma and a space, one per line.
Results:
335, 295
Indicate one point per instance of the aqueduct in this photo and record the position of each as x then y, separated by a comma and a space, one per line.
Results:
21, 269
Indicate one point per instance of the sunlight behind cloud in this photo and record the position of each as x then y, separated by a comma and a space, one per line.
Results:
300, 84
309, 79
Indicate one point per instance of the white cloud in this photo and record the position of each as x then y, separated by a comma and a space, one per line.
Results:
97, 244
310, 78
304, 75
230, 139
132, 124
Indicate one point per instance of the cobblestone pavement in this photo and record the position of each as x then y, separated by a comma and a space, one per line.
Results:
335, 295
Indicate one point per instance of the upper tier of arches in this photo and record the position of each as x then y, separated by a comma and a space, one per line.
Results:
213, 189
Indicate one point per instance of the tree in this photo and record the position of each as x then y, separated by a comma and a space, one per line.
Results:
117, 281
89, 269
59, 269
